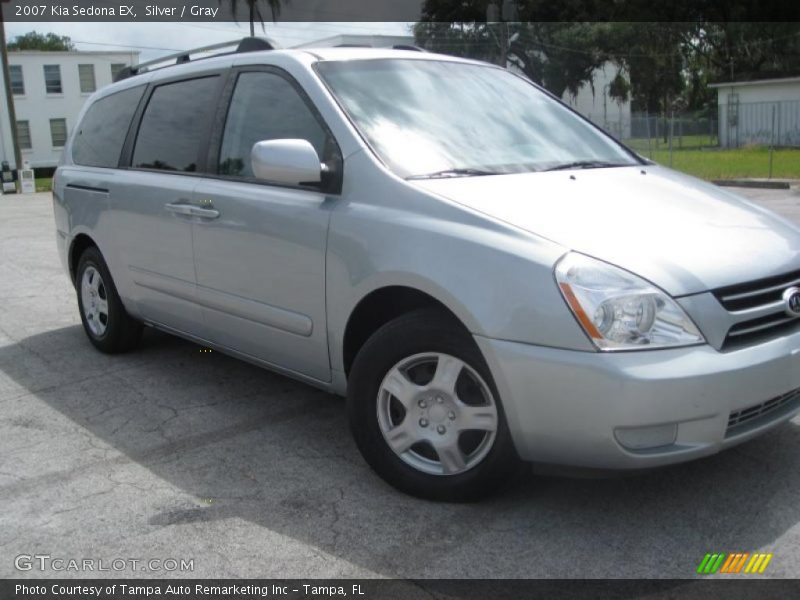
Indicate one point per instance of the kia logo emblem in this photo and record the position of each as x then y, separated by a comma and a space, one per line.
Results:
791, 301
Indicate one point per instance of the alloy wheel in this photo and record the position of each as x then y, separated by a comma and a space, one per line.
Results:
437, 414
95, 301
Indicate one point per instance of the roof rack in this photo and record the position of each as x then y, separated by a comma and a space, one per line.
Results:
408, 47
248, 44
395, 47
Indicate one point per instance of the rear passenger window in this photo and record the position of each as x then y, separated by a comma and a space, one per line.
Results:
266, 106
173, 125
102, 131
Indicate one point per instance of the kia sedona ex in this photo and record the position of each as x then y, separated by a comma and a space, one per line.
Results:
489, 278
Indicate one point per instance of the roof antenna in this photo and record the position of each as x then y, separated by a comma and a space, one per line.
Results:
254, 44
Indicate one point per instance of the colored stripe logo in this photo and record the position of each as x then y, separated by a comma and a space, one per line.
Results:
734, 563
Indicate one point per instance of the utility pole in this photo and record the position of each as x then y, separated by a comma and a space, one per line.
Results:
12, 115
501, 12
503, 43
494, 15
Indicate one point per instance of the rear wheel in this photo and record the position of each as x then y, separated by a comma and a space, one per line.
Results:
107, 324
425, 412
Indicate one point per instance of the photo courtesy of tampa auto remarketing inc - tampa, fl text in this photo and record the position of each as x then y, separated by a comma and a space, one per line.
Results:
410, 299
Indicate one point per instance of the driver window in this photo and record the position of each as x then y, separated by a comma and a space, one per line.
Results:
265, 106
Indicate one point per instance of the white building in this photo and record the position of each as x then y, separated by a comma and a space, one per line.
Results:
373, 41
49, 90
759, 112
593, 101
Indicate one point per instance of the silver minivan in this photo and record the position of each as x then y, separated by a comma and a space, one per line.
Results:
488, 277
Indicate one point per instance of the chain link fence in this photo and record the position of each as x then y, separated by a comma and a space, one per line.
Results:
760, 123
755, 128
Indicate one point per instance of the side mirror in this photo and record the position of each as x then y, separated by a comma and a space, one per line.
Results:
291, 162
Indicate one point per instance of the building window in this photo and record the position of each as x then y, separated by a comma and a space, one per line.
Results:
17, 82
86, 77
115, 69
24, 135
52, 79
58, 132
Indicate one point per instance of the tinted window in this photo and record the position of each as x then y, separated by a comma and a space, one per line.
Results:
266, 106
101, 134
173, 125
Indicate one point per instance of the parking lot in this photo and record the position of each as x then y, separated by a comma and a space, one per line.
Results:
174, 453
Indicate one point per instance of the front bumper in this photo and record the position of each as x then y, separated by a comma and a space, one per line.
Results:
569, 408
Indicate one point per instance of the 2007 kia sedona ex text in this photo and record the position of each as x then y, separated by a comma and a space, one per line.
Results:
488, 277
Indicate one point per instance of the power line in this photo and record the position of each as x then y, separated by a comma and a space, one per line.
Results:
527, 36
126, 46
239, 32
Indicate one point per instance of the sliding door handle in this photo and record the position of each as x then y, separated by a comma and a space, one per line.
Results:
192, 210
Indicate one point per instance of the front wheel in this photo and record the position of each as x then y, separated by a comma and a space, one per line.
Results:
425, 412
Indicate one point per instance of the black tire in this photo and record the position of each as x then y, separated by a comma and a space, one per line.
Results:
122, 333
419, 332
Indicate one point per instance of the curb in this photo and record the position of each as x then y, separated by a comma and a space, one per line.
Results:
753, 183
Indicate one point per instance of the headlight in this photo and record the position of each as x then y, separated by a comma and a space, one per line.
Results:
620, 311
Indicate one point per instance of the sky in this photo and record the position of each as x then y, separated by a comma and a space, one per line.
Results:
157, 39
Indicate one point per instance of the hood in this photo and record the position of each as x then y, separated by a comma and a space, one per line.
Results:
680, 233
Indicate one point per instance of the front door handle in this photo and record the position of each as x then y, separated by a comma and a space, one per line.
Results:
179, 208
204, 213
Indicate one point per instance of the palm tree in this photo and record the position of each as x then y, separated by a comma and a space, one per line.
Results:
255, 11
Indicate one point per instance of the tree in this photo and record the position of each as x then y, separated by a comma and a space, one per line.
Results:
666, 63
653, 54
559, 56
254, 11
49, 42
735, 50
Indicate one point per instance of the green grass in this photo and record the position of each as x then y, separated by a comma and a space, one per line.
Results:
733, 164
44, 184
644, 146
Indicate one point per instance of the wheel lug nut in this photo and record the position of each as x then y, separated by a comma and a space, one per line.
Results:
452, 415
423, 422
422, 403
441, 429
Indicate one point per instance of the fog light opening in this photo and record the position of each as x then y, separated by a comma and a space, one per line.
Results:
646, 438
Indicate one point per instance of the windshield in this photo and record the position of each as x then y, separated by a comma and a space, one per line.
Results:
429, 118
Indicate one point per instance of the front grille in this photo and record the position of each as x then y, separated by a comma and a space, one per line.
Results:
754, 329
756, 293
764, 297
746, 415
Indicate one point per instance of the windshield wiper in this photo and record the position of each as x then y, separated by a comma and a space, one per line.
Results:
454, 173
585, 164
